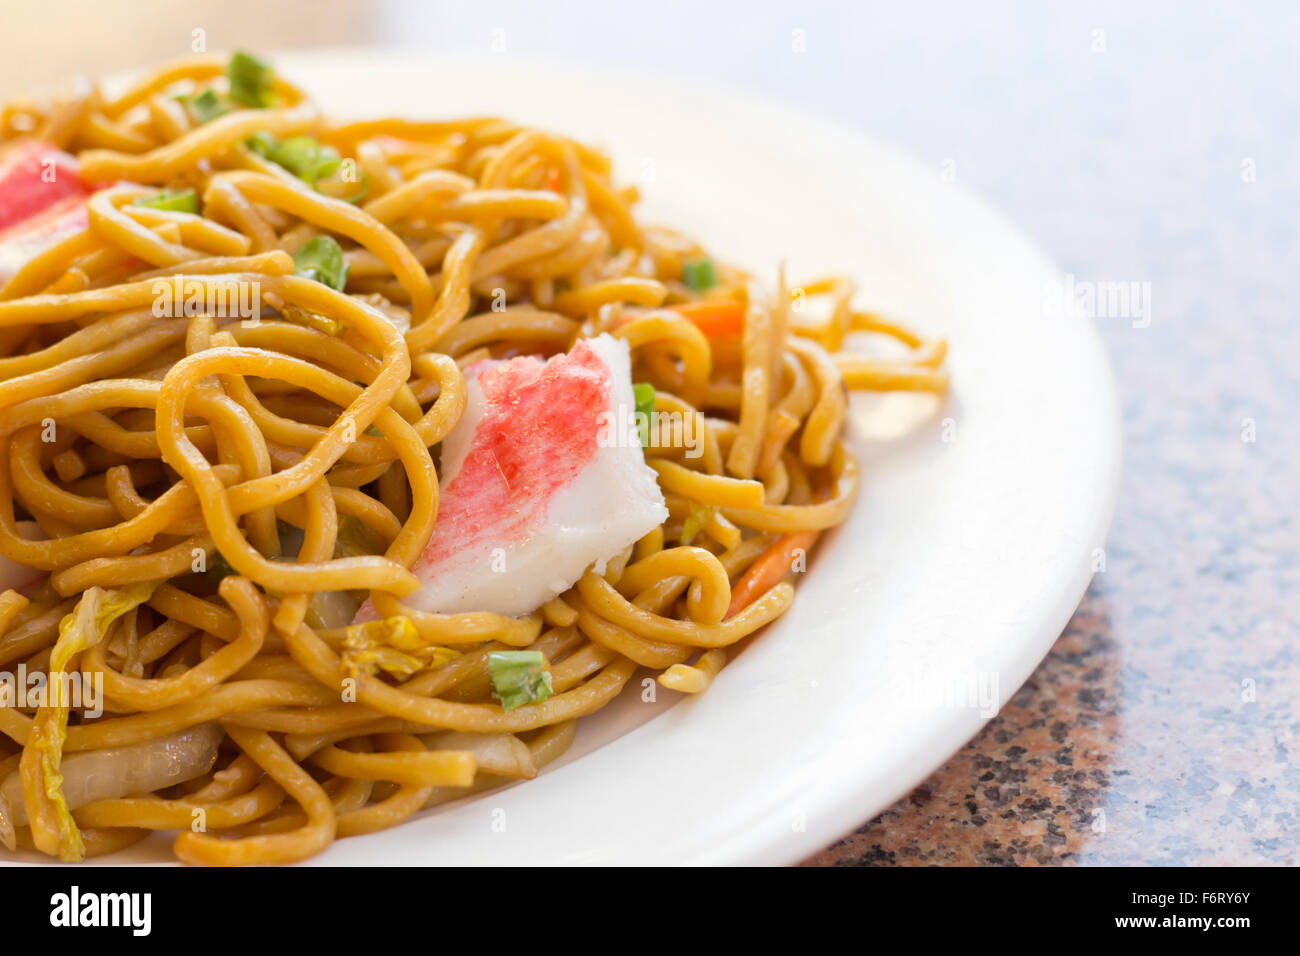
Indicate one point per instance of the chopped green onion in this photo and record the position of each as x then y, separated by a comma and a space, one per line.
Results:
308, 159
206, 106
698, 274
305, 157
694, 522
321, 258
262, 143
518, 678
643, 393
178, 200
251, 81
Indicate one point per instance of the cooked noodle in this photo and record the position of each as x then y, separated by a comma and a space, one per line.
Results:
301, 451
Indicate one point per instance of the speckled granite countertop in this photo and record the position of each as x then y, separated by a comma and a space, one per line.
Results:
1163, 727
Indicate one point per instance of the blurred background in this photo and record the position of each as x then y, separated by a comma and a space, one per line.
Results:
1153, 143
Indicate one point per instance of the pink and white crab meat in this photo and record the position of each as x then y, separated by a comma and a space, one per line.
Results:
42, 201
543, 477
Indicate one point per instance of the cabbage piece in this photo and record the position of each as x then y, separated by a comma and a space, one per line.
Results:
330, 609
500, 753
85, 627
391, 644
355, 538
113, 772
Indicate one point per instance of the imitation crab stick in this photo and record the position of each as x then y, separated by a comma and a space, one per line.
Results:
542, 477
33, 177
42, 200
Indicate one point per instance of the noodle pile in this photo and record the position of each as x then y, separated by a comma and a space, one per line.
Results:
212, 497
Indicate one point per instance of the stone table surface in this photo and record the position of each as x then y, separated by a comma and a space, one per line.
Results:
1162, 728
1150, 143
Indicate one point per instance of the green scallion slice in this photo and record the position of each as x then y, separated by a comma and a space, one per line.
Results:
643, 393
698, 274
172, 200
518, 678
321, 259
252, 82
206, 106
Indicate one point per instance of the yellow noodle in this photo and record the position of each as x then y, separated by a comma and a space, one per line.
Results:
694, 678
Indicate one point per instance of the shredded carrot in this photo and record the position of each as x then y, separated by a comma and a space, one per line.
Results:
768, 569
553, 179
716, 318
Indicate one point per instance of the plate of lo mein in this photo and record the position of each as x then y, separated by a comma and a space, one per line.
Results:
480, 463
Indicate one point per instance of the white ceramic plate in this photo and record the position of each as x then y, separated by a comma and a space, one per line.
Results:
970, 545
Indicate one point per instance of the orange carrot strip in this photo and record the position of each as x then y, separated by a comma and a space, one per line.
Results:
716, 318
770, 567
